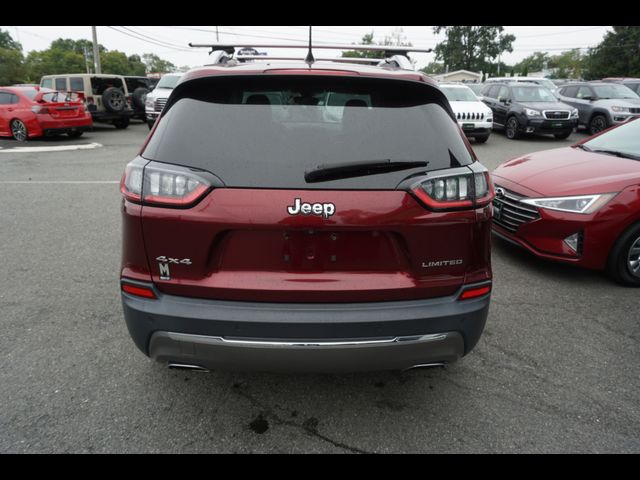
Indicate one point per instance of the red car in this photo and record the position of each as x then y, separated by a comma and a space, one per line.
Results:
306, 216
29, 112
579, 204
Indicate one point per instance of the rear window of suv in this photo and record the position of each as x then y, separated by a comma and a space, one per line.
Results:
266, 131
100, 84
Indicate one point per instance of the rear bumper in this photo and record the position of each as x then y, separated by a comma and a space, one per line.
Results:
108, 116
395, 353
258, 336
58, 130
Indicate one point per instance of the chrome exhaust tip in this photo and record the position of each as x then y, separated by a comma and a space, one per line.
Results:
186, 366
425, 365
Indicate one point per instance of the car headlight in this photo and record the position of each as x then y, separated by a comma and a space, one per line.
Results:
574, 113
531, 113
148, 103
585, 204
620, 109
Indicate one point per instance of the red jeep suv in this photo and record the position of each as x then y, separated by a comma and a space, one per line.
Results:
306, 217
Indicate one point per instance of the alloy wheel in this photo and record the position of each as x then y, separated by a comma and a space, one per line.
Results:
633, 258
19, 130
116, 102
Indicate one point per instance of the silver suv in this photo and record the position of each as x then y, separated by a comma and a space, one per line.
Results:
600, 105
157, 98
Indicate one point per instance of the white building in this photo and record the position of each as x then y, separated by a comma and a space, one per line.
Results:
458, 76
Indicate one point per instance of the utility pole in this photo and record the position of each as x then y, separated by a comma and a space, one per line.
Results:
217, 37
96, 52
86, 58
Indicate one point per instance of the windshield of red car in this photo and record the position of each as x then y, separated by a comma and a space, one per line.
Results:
622, 139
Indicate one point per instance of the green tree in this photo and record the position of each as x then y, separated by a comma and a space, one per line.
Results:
367, 39
472, 47
12, 68
434, 68
618, 55
397, 38
568, 64
115, 62
533, 63
7, 42
54, 61
136, 65
155, 64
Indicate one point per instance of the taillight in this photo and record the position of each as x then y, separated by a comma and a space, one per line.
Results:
90, 101
37, 109
164, 185
454, 190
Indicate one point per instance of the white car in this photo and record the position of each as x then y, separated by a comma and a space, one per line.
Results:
157, 98
474, 117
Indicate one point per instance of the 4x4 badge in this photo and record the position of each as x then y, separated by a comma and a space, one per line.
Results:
163, 265
322, 209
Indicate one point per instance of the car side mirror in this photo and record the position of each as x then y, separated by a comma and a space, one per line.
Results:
480, 97
588, 97
504, 100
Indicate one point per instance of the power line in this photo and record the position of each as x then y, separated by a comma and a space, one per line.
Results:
559, 33
148, 41
167, 44
253, 35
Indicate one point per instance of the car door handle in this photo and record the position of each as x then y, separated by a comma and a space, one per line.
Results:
10, 109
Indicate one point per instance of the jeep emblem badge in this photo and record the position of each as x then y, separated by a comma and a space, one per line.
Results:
324, 210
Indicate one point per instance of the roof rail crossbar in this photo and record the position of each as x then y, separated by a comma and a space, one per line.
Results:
367, 60
389, 51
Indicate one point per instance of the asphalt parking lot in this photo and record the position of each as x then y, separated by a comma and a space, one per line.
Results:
555, 371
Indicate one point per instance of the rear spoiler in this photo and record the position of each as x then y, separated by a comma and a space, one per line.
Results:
72, 96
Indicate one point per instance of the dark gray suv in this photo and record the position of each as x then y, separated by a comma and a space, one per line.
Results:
523, 108
600, 105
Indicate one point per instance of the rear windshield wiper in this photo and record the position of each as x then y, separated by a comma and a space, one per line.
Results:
618, 154
336, 171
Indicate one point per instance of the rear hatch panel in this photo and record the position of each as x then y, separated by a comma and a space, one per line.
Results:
242, 244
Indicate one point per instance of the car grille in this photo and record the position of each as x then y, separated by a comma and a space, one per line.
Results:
556, 114
510, 212
159, 104
634, 110
469, 116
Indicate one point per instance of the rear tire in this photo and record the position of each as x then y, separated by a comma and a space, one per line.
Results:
624, 260
75, 133
597, 124
121, 123
511, 128
562, 136
114, 100
139, 96
19, 130
481, 138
